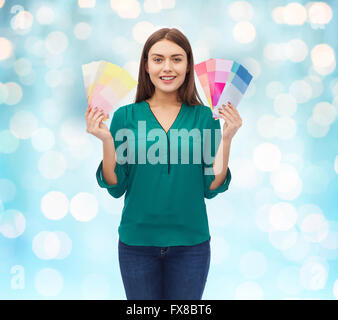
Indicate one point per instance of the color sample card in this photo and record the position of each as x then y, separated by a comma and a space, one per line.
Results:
106, 84
234, 89
222, 80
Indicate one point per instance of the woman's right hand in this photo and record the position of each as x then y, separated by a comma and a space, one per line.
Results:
95, 126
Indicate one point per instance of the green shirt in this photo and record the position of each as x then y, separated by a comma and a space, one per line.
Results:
164, 200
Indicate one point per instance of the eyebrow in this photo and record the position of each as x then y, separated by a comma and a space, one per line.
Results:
160, 55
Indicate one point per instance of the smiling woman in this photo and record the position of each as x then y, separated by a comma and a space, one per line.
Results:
164, 238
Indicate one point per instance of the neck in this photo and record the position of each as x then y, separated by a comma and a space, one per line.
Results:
164, 100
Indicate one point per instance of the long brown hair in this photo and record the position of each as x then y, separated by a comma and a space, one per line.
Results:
187, 92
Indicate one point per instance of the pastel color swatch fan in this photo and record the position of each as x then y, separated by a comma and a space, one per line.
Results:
222, 80
106, 84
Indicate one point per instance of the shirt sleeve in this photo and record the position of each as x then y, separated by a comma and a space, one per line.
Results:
121, 170
211, 142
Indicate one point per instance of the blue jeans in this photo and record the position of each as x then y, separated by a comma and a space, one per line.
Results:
164, 273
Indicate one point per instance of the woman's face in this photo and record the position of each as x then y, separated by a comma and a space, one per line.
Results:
167, 59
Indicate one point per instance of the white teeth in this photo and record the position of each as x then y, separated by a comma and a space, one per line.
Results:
167, 78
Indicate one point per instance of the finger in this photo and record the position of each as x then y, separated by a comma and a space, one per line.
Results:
93, 111
233, 112
225, 116
99, 119
98, 114
232, 107
229, 113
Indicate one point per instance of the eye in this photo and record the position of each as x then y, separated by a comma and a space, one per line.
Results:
177, 59
156, 59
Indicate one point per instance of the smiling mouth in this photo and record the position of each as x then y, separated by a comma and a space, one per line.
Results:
167, 78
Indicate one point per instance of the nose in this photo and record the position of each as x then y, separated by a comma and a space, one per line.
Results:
167, 65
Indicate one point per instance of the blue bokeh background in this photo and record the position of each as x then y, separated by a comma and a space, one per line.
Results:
274, 232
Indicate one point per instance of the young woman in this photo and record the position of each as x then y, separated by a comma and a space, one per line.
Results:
164, 239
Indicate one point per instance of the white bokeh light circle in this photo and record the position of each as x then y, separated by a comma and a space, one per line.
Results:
54, 205
29, 79
296, 50
12, 223
267, 157
48, 282
45, 246
286, 182
283, 216
22, 124
49, 245
6, 48
23, 67
285, 128
152, 6
82, 30
322, 56
316, 84
86, 3
56, 42
43, 139
127, 9
52, 164
253, 264
253, 65
301, 90
66, 245
22, 21
294, 14
244, 32
313, 274
142, 30
249, 291
241, 10
298, 250
14, 93
315, 129
84, 206
324, 113
314, 227
45, 15
319, 12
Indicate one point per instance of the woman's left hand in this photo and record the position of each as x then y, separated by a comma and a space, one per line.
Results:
232, 123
